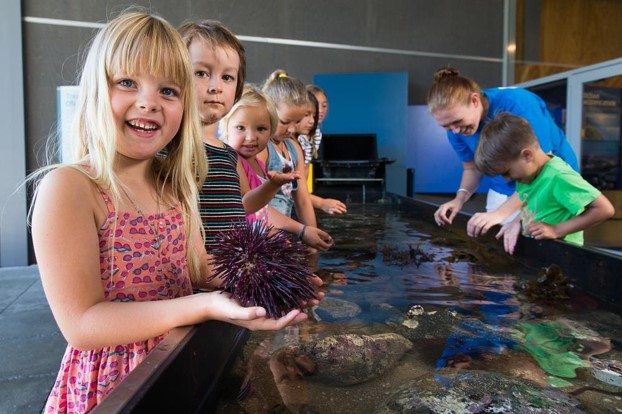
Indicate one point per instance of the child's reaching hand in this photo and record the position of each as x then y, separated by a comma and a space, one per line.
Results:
317, 238
280, 178
510, 232
332, 206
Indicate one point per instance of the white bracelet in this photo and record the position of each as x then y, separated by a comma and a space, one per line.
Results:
464, 190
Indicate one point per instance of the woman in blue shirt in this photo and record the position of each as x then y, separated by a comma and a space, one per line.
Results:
459, 105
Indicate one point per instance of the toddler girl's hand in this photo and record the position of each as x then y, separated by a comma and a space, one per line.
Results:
280, 178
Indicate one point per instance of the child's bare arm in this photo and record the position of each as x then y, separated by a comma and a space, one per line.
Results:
252, 200
596, 212
258, 197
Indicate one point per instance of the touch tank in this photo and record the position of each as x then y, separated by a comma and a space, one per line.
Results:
418, 318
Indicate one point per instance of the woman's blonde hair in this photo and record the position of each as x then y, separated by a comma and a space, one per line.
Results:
450, 89
137, 42
252, 97
285, 90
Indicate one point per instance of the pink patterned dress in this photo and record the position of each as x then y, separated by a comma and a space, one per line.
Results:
134, 267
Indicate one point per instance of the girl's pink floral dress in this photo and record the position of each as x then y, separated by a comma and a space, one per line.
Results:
132, 269
255, 181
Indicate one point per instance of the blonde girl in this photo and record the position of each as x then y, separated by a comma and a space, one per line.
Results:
290, 98
305, 133
117, 233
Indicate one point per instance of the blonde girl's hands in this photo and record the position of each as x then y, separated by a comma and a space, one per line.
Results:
224, 308
280, 178
332, 206
317, 239
317, 282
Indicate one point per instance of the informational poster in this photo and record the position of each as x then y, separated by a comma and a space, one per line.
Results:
66, 98
602, 110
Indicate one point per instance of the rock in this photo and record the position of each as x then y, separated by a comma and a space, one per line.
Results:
425, 324
348, 359
331, 309
459, 391
607, 371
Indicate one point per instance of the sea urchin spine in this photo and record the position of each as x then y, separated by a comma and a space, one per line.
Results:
261, 267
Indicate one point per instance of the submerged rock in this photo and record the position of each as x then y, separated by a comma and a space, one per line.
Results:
331, 309
457, 391
607, 370
348, 359
424, 323
550, 284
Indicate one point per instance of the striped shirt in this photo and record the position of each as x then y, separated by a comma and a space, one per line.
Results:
310, 147
220, 199
307, 148
317, 140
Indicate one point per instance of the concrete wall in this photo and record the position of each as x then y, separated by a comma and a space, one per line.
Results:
13, 231
413, 36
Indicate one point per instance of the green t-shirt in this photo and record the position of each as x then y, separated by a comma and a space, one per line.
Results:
556, 195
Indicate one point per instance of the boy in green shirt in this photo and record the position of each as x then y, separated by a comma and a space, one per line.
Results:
557, 201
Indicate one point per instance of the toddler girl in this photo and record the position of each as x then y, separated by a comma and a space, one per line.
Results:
305, 131
291, 100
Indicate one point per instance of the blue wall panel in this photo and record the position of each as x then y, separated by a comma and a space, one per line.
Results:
437, 167
371, 103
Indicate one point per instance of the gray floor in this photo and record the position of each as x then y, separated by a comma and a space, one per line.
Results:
31, 345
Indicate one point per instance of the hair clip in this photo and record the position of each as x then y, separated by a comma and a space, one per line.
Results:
282, 75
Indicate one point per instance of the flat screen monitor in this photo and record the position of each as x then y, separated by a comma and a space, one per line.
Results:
348, 147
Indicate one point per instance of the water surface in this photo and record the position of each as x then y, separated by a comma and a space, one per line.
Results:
471, 312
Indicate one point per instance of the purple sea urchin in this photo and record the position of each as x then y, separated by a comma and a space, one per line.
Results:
260, 267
